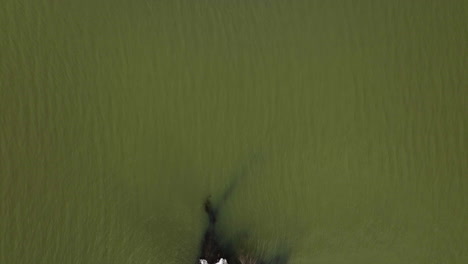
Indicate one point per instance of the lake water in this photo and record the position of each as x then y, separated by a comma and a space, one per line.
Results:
344, 123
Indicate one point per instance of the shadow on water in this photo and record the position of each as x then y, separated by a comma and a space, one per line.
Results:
215, 246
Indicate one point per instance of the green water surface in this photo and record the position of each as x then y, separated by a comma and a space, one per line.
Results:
117, 118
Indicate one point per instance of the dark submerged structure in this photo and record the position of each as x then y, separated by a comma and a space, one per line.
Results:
214, 247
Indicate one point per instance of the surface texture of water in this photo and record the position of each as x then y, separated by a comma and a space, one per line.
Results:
345, 120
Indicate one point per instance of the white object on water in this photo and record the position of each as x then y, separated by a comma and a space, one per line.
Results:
220, 261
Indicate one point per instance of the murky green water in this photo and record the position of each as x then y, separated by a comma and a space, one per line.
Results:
117, 119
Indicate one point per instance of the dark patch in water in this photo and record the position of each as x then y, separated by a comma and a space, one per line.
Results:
214, 246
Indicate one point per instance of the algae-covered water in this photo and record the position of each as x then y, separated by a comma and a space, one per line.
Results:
344, 121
